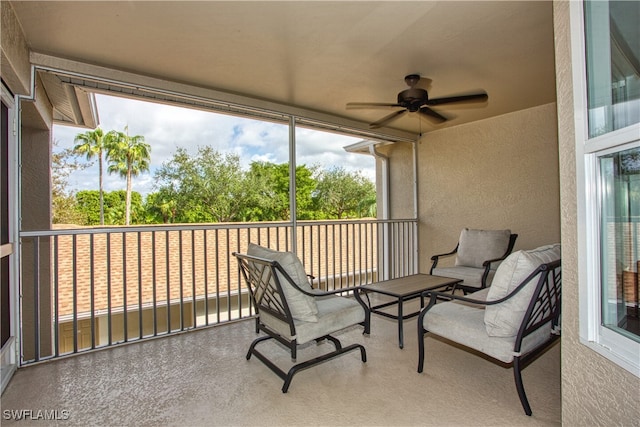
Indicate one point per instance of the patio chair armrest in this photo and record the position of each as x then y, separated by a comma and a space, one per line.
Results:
434, 295
436, 258
439, 295
318, 293
487, 263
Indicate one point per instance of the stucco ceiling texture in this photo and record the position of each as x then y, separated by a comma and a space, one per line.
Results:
317, 55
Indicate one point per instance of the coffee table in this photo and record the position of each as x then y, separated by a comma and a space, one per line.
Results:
405, 289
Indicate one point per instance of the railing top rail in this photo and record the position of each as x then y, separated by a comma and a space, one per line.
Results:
199, 226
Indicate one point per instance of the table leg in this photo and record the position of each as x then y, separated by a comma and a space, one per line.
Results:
400, 322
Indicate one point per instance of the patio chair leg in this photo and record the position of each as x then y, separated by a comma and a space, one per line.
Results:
517, 373
335, 341
309, 363
254, 343
421, 333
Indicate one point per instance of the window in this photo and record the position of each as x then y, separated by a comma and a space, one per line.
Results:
613, 65
609, 180
620, 231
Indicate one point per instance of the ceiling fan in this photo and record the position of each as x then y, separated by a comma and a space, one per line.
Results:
414, 100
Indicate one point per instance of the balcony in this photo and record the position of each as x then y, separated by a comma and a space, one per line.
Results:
178, 355
92, 288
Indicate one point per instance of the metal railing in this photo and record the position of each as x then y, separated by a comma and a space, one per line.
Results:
90, 288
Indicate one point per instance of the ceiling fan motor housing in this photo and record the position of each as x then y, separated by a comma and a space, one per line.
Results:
412, 99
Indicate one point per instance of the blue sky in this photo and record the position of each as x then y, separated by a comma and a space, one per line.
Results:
167, 128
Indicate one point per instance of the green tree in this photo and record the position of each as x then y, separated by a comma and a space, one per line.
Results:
87, 202
207, 187
116, 201
128, 156
160, 208
341, 194
88, 207
272, 184
63, 202
92, 144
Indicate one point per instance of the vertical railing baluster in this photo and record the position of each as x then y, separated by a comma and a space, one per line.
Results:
236, 273
340, 240
92, 285
206, 276
229, 305
181, 280
217, 258
366, 253
36, 297
357, 269
74, 263
154, 278
167, 238
193, 278
109, 315
125, 312
56, 297
140, 325
333, 255
322, 238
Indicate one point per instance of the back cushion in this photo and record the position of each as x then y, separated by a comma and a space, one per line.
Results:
504, 319
303, 307
478, 246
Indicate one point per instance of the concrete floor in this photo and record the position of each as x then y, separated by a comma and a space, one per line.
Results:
202, 378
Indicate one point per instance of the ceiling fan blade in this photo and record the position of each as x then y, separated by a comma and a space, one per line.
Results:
358, 105
477, 97
430, 114
387, 119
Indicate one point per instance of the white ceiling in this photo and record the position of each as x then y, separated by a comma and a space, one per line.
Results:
317, 55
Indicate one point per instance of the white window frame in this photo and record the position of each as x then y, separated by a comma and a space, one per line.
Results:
621, 350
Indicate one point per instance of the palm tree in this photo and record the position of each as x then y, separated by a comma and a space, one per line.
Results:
128, 156
92, 144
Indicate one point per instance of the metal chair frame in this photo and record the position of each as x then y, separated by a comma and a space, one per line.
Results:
544, 307
486, 265
263, 280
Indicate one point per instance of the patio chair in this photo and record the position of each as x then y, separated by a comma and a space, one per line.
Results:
291, 312
478, 254
512, 322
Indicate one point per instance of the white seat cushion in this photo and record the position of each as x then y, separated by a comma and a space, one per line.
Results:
334, 313
503, 320
464, 324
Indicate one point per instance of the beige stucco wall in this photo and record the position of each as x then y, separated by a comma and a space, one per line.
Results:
14, 52
493, 174
401, 178
594, 390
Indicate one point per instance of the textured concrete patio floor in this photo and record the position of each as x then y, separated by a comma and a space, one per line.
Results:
203, 379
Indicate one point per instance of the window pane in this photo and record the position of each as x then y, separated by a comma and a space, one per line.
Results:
613, 64
620, 192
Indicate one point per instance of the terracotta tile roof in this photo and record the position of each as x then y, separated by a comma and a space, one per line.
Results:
139, 265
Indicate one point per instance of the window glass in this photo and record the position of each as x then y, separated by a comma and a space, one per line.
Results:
613, 65
620, 222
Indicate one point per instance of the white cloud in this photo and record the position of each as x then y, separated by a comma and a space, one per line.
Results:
166, 128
